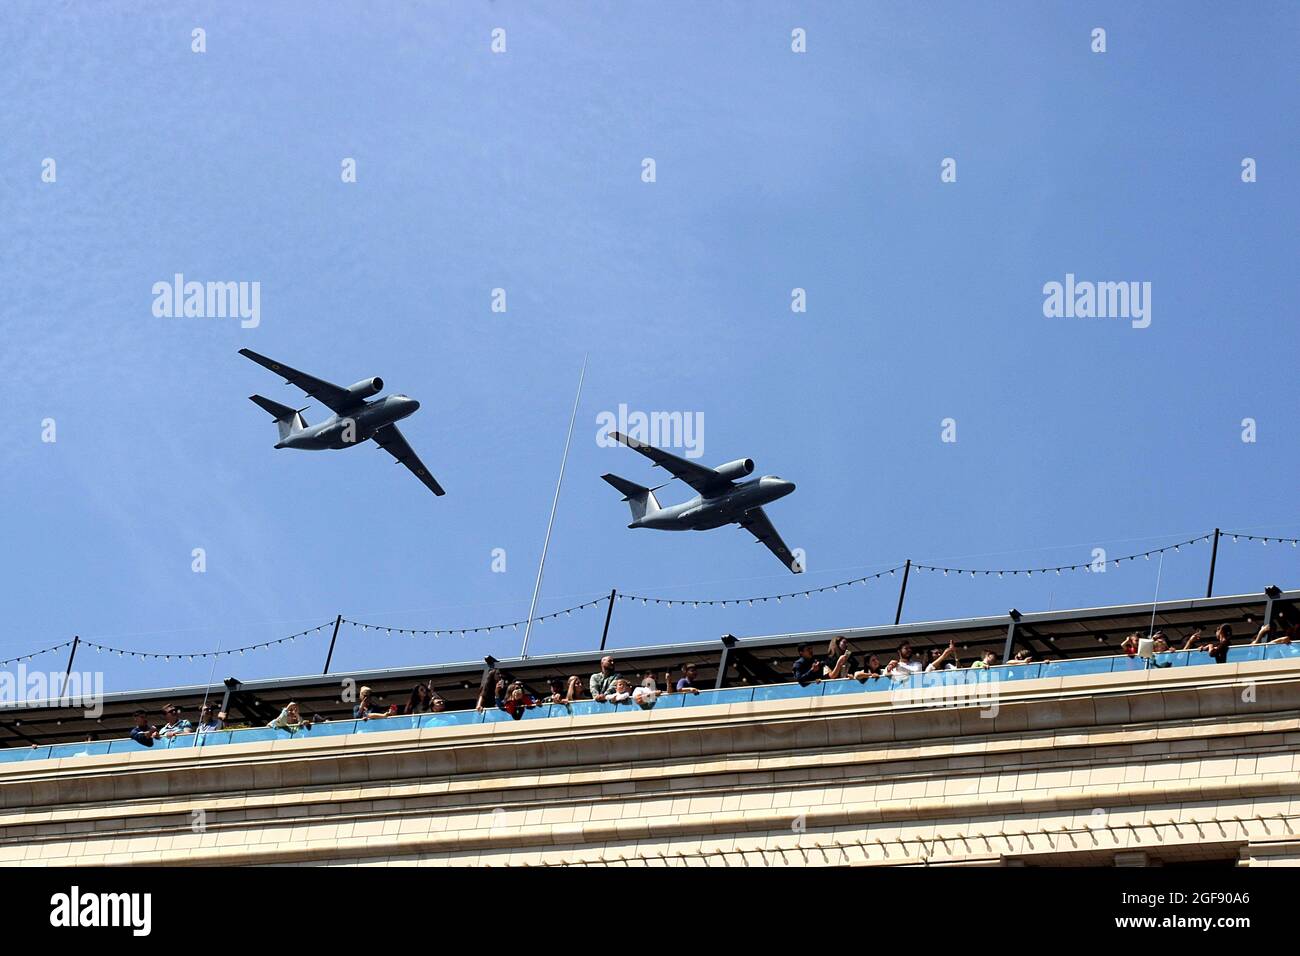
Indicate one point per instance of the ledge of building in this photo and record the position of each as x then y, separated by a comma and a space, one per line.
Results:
1198, 707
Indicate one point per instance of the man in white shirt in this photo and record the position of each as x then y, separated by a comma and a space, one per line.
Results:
645, 696
905, 664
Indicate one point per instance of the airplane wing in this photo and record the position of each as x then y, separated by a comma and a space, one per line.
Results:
392, 441
704, 480
760, 526
337, 399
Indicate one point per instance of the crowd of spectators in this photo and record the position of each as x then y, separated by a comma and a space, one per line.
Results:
606, 685
838, 662
145, 733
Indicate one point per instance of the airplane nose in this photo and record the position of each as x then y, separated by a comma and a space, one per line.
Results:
414, 406
779, 485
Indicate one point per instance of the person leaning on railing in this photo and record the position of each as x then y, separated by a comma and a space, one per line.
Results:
491, 690
420, 701
807, 669
290, 719
873, 669
602, 682
1160, 646
1286, 632
555, 694
620, 693
564, 691
686, 683
647, 692
143, 732
905, 664
209, 722
1217, 646
572, 689
516, 701
176, 726
945, 660
845, 663
367, 709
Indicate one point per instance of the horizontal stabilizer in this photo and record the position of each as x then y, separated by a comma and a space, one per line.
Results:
289, 419
277, 410
630, 489
640, 498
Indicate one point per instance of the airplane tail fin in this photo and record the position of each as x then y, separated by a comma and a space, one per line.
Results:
640, 499
289, 420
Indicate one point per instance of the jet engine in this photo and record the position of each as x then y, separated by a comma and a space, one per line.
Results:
733, 470
367, 387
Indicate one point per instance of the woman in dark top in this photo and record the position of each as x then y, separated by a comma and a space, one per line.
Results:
491, 691
420, 701
839, 660
1218, 647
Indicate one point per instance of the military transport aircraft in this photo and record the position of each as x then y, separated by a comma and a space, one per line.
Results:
355, 417
720, 500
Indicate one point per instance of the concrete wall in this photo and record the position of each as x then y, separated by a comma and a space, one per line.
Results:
1195, 763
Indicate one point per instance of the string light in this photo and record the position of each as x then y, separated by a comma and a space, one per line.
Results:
151, 655
28, 657
1236, 536
1272, 537
1030, 572
486, 628
721, 602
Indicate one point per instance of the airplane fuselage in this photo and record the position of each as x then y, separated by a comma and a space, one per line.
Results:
344, 431
703, 513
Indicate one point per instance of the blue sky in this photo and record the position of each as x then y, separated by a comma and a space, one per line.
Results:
522, 171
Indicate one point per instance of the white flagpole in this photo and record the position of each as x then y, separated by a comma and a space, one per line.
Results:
541, 565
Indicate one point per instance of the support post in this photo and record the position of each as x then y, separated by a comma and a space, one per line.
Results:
1271, 593
1011, 636
555, 503
728, 642
489, 664
76, 640
609, 612
1214, 557
334, 637
902, 591
231, 684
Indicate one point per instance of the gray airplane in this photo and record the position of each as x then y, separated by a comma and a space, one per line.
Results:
720, 500
355, 417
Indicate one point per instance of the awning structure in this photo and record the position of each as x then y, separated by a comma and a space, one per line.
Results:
729, 661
